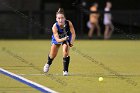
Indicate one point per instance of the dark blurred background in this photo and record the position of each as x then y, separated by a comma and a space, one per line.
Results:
33, 19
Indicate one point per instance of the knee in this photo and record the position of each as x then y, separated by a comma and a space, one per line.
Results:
52, 55
65, 53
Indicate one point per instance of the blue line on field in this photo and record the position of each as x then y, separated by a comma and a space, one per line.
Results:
37, 86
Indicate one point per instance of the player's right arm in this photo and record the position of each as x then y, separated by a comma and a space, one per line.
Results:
56, 36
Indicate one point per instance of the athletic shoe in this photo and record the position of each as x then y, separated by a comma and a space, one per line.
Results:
46, 68
65, 73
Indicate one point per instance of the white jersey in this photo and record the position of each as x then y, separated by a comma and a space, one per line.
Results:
107, 17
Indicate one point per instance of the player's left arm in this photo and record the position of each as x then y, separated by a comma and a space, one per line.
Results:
72, 30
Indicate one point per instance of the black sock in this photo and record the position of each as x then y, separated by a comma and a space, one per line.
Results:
66, 61
49, 60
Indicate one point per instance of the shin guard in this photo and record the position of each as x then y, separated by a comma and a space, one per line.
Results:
66, 61
49, 60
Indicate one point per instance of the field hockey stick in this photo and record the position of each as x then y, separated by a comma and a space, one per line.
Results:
65, 33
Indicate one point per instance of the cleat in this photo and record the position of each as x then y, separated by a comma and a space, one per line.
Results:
46, 68
65, 73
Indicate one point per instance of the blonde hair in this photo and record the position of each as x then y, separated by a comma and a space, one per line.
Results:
60, 11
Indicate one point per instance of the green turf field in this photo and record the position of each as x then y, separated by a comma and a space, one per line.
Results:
118, 62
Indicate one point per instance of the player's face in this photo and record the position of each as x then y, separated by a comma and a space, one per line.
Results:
109, 4
60, 18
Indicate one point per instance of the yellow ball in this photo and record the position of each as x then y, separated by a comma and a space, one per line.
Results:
101, 79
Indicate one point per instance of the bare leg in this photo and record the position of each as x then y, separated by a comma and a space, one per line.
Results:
66, 50
91, 31
111, 30
98, 30
106, 32
53, 51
